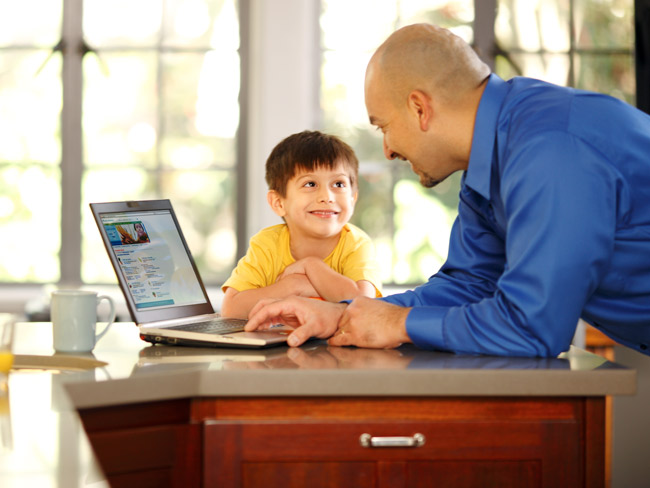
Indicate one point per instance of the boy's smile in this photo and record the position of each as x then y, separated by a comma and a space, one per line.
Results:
325, 214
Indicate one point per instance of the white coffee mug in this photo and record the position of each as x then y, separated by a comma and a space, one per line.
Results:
74, 319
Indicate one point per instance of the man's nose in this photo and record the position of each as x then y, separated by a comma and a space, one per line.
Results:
388, 152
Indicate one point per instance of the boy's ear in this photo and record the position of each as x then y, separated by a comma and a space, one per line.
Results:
419, 103
276, 203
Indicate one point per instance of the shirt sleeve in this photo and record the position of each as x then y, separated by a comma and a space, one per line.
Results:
361, 263
560, 207
254, 269
359, 260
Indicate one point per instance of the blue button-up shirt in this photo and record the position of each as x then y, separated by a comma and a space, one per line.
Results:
553, 225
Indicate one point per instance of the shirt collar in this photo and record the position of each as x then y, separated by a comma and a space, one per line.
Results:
485, 130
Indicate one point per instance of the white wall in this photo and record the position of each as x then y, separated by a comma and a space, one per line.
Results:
284, 88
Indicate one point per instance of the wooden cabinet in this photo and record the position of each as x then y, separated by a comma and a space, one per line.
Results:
316, 442
468, 442
329, 454
146, 445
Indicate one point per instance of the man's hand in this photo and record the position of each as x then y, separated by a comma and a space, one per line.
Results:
367, 322
309, 318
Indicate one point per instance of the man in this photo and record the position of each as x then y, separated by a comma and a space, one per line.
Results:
554, 213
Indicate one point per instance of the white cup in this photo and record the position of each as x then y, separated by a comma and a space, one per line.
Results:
74, 319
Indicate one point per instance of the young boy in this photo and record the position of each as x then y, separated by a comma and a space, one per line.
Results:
312, 180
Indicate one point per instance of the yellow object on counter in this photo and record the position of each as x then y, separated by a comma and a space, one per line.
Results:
6, 361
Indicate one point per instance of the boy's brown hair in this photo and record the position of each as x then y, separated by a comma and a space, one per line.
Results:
307, 150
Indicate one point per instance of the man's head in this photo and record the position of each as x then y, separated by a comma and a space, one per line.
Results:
312, 180
423, 86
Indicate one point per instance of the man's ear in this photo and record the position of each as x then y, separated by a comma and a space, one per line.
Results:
419, 103
276, 203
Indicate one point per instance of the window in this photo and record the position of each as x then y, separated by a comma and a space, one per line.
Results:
582, 43
587, 44
147, 107
139, 100
30, 146
410, 251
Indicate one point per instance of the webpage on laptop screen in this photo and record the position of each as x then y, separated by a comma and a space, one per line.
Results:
152, 259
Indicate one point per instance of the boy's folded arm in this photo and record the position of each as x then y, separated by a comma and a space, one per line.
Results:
333, 286
238, 304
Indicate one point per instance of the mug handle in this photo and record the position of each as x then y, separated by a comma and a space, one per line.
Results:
112, 315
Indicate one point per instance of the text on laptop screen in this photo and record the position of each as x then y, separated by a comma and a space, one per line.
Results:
152, 259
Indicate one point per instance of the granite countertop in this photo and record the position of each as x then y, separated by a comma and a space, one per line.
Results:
43, 443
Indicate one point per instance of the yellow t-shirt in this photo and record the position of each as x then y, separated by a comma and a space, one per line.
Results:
269, 253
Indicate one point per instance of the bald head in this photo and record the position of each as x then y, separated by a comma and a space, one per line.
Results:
427, 58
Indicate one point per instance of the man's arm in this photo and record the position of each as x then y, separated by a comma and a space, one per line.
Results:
560, 204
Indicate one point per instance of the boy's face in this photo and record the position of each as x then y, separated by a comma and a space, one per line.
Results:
318, 203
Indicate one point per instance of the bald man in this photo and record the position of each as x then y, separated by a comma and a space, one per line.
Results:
554, 215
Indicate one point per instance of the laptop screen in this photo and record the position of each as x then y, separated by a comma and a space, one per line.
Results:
153, 264
152, 259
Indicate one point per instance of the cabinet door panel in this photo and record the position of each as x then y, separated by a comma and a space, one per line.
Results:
455, 453
141, 457
124, 451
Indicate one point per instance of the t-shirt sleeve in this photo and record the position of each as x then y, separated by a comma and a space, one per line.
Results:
361, 263
253, 270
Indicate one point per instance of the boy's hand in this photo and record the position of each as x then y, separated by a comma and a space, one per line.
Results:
298, 267
298, 284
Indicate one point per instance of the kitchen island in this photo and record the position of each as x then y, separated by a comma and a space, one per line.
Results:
317, 416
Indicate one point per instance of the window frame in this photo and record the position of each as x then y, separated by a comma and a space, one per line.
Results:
73, 50
486, 44
263, 32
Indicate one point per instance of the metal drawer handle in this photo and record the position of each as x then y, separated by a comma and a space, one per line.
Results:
367, 440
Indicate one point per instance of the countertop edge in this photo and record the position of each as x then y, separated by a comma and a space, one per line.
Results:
193, 383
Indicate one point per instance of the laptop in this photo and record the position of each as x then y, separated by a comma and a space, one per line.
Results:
164, 292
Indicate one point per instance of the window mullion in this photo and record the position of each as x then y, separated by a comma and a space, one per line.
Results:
242, 170
71, 142
572, 46
484, 38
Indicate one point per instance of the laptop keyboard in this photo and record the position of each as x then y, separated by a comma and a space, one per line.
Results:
216, 326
